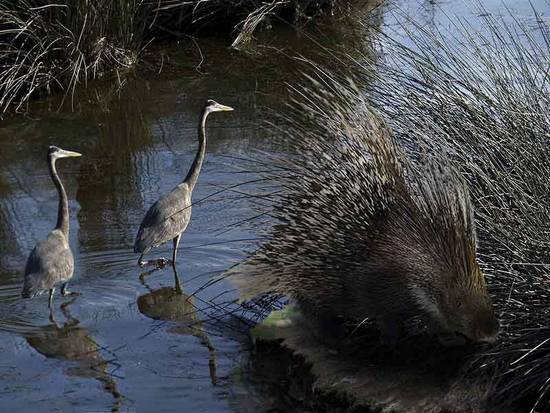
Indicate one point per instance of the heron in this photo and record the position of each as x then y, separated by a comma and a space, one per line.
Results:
51, 262
168, 218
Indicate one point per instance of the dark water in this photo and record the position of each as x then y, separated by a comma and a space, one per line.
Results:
139, 344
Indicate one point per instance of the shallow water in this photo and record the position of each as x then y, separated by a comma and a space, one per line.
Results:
130, 343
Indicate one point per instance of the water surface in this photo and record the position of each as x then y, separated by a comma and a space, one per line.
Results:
135, 342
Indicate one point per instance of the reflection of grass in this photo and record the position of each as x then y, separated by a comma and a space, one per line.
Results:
122, 136
7, 239
484, 99
57, 45
4, 186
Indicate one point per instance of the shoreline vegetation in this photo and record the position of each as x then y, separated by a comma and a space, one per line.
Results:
478, 95
46, 47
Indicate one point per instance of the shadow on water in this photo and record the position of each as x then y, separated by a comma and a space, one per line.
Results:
72, 342
6, 231
172, 304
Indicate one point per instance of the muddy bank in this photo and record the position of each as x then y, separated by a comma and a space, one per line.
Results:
357, 375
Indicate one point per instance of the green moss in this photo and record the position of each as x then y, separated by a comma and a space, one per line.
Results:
270, 328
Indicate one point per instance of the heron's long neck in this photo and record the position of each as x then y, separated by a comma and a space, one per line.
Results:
63, 209
194, 171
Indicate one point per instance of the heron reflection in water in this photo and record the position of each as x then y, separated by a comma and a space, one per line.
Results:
73, 342
172, 304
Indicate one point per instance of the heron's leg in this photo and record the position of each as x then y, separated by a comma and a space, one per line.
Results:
142, 262
177, 283
176, 242
52, 318
50, 301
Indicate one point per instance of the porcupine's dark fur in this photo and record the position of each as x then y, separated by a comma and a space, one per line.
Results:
365, 232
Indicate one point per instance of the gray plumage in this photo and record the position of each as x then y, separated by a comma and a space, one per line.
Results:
364, 232
169, 216
50, 264
165, 220
51, 261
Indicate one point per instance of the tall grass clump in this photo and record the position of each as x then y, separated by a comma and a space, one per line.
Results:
198, 16
46, 46
481, 96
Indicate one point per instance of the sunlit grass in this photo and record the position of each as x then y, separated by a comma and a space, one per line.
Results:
49, 46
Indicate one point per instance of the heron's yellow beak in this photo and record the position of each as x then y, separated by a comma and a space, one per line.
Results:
223, 108
69, 154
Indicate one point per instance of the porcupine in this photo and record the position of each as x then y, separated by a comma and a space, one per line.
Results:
364, 231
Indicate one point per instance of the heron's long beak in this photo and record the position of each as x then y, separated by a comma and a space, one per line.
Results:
223, 108
69, 154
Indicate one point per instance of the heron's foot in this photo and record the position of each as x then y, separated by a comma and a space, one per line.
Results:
163, 262
68, 293
65, 291
159, 262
